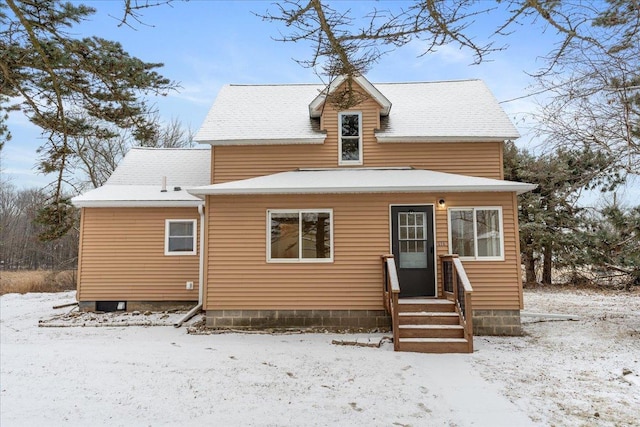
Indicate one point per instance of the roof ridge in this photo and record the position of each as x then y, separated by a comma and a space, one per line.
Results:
374, 83
276, 84
198, 148
430, 82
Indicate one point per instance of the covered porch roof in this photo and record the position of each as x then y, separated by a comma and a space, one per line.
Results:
361, 180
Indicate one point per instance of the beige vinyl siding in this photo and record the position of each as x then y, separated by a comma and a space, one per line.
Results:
247, 161
239, 277
122, 256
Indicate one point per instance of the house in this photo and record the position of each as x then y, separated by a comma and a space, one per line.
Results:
381, 205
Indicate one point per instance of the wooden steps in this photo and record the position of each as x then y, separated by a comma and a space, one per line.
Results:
434, 345
430, 326
427, 318
431, 331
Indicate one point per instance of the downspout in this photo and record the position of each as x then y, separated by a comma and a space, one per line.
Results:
201, 270
195, 310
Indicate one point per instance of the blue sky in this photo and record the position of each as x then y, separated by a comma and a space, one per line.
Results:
206, 44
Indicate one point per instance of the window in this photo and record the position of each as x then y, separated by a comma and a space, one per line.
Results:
476, 233
180, 237
350, 139
300, 236
412, 227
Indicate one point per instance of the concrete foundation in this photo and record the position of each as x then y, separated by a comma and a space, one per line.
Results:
328, 319
497, 322
145, 305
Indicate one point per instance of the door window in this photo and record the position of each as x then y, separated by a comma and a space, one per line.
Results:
412, 234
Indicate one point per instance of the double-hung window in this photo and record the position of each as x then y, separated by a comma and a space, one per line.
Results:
180, 237
350, 138
300, 235
476, 233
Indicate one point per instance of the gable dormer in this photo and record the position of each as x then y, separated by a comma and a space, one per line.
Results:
349, 108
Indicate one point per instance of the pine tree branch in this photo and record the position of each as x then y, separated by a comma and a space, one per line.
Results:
62, 152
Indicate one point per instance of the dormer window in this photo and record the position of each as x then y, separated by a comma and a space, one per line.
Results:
350, 139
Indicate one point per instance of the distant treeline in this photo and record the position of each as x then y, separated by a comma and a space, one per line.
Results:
20, 246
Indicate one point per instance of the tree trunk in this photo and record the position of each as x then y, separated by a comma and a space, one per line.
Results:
529, 266
546, 265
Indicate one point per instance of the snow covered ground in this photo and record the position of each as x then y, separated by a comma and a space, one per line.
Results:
572, 373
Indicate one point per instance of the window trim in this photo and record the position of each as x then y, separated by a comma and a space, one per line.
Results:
360, 143
299, 259
475, 232
167, 223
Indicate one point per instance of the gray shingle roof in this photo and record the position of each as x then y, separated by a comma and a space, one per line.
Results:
463, 110
137, 181
147, 166
244, 114
444, 111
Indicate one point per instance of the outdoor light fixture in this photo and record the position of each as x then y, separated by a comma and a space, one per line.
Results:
441, 203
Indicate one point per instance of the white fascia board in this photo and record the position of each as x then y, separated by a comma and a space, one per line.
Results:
279, 141
314, 107
387, 168
375, 94
137, 203
409, 139
518, 188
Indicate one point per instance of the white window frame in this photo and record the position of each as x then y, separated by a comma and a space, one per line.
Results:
475, 232
360, 151
167, 223
299, 259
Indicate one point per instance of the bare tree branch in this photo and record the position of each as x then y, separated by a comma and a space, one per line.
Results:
438, 23
133, 8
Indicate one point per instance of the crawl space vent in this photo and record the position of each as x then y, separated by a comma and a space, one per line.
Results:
109, 306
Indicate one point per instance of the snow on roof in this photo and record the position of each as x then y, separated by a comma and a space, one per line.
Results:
147, 166
464, 110
454, 111
361, 180
137, 181
262, 114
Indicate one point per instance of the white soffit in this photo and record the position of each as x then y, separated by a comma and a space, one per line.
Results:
361, 180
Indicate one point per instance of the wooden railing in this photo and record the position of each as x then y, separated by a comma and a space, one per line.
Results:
390, 292
457, 287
